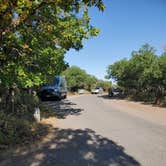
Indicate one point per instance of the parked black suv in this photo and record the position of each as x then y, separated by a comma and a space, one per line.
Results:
56, 91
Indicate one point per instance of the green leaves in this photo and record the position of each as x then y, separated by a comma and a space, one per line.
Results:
144, 70
78, 78
75, 77
36, 34
162, 66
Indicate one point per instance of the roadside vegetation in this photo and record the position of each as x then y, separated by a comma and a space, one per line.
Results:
143, 76
34, 37
78, 78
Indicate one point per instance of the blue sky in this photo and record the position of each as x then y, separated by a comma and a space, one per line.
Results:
125, 26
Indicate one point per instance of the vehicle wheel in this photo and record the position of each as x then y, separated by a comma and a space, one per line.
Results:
43, 99
110, 94
59, 99
65, 96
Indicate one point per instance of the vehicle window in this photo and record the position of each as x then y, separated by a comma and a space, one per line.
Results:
56, 81
63, 83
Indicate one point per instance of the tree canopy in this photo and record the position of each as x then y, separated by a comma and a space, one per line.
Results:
79, 78
35, 34
143, 73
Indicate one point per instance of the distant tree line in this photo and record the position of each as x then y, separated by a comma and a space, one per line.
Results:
78, 78
143, 76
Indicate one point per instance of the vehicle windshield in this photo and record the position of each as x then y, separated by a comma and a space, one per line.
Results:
116, 90
56, 81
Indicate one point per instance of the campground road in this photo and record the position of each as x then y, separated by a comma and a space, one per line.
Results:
91, 130
141, 139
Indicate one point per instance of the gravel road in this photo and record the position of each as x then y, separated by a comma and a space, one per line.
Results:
90, 131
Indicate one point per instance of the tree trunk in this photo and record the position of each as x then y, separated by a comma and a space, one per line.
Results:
9, 99
158, 96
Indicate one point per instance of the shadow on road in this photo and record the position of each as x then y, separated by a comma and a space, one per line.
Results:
74, 148
111, 98
64, 108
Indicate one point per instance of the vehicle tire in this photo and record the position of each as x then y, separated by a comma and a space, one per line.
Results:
43, 99
111, 94
59, 99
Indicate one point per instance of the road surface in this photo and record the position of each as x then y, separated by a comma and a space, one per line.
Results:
92, 132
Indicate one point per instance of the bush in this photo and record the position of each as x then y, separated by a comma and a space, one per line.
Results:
20, 127
46, 111
15, 131
163, 102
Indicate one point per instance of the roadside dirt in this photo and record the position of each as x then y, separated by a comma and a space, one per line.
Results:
144, 111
